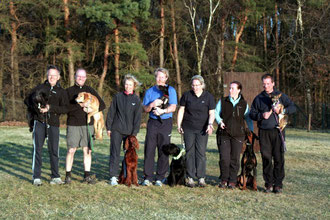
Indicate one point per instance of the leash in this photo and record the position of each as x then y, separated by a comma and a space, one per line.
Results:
279, 129
231, 136
182, 149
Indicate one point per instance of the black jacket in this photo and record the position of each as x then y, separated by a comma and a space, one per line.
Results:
76, 114
57, 101
233, 117
263, 103
124, 114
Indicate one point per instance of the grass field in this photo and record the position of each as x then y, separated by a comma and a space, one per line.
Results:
305, 196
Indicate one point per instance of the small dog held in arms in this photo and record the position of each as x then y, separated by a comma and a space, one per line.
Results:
282, 118
177, 174
248, 176
38, 99
128, 173
164, 98
91, 103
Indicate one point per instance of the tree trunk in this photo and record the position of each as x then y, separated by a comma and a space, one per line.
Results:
68, 40
105, 64
136, 62
175, 51
162, 34
265, 38
237, 37
277, 68
221, 55
117, 54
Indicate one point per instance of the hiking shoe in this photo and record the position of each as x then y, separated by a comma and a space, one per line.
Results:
67, 180
190, 182
277, 190
90, 179
37, 182
231, 185
113, 181
56, 181
222, 184
268, 189
201, 182
146, 183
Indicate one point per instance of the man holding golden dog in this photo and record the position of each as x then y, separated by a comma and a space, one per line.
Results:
79, 131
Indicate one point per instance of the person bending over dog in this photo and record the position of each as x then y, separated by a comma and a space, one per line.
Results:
271, 139
230, 113
46, 124
79, 134
123, 119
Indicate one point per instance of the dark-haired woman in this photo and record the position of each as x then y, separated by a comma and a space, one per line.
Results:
230, 113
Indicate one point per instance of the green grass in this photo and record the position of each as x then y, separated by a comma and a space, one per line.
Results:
305, 196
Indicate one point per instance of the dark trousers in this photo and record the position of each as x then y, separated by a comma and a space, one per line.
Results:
229, 149
271, 149
158, 134
39, 136
195, 142
115, 144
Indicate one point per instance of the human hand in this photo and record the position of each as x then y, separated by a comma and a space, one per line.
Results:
108, 133
266, 115
180, 130
222, 125
44, 110
158, 111
157, 102
209, 129
87, 110
277, 109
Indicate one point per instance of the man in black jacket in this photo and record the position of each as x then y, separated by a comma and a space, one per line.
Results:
271, 142
78, 132
46, 125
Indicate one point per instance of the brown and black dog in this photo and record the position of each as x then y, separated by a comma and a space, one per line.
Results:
248, 176
128, 173
91, 102
282, 118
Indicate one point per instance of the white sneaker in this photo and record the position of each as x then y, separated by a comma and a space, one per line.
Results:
158, 183
113, 181
201, 182
146, 183
190, 182
37, 182
56, 181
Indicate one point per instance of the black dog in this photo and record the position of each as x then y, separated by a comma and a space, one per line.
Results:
36, 100
248, 164
164, 98
178, 165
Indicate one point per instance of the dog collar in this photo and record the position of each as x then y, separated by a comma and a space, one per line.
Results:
180, 154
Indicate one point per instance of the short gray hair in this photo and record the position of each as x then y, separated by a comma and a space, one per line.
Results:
163, 70
132, 78
200, 79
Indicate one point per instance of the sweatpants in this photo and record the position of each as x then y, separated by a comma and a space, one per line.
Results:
115, 144
229, 152
158, 134
39, 136
196, 143
271, 149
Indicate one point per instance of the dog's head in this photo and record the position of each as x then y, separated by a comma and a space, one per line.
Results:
250, 137
164, 90
276, 99
40, 98
131, 142
82, 97
171, 149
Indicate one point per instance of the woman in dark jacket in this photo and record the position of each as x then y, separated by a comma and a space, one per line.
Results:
123, 119
230, 113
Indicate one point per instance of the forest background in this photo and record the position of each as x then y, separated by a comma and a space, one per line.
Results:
288, 38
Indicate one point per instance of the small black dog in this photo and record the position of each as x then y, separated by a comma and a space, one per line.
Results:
36, 100
164, 98
177, 174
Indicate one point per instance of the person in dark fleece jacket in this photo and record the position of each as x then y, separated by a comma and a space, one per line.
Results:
47, 123
77, 129
271, 143
123, 119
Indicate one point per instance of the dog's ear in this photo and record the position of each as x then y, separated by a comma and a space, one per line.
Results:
135, 142
86, 96
126, 143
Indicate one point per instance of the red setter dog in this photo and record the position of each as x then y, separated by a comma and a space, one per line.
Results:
128, 173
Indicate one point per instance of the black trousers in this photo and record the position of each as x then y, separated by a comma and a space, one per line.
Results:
271, 149
158, 134
196, 143
39, 136
229, 153
115, 143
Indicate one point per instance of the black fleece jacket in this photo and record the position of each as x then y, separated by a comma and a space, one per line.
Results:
263, 103
76, 114
57, 101
124, 114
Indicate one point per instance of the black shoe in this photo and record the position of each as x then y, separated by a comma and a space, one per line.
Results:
90, 179
277, 190
67, 180
222, 185
231, 186
268, 189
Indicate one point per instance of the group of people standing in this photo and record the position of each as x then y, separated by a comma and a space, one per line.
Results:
195, 118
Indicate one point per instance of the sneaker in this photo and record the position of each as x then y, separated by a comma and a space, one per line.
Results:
90, 179
67, 180
201, 182
268, 189
222, 184
113, 181
190, 182
56, 181
146, 183
159, 183
37, 182
277, 190
231, 185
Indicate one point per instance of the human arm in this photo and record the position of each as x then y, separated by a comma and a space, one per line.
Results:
137, 118
180, 118
247, 118
111, 115
210, 128
217, 115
